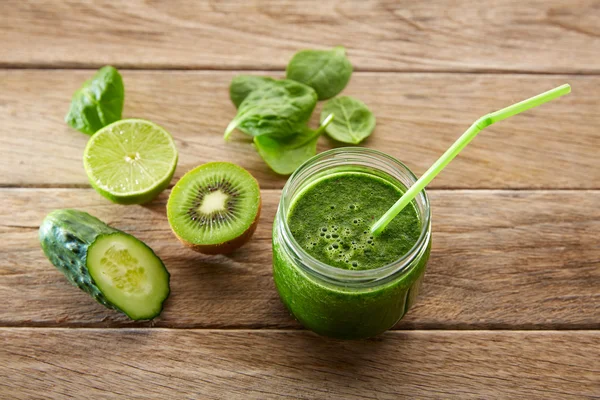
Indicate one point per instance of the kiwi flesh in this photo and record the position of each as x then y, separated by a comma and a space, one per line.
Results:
214, 208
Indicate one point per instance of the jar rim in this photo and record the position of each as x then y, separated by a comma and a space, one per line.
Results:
336, 274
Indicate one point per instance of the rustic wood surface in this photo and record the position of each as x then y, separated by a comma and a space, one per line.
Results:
389, 35
418, 117
510, 306
521, 260
214, 364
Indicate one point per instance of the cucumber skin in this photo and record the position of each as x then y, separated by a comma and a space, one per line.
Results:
65, 236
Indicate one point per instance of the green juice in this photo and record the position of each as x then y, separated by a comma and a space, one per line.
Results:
330, 220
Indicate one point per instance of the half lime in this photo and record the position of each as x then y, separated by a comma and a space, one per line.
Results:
130, 161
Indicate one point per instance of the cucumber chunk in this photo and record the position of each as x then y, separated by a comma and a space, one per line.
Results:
116, 269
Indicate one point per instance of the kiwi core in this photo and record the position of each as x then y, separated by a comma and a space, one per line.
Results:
213, 202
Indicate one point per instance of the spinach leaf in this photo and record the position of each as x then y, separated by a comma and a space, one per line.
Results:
326, 71
353, 120
279, 109
98, 102
242, 85
285, 155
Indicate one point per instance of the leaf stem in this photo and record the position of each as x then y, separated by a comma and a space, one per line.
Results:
318, 132
324, 124
230, 128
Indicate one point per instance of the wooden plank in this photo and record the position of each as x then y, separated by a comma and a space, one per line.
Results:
418, 117
505, 35
500, 260
162, 363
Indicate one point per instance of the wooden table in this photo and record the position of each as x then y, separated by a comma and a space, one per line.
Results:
510, 306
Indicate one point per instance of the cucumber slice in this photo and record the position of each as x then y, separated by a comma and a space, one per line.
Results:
116, 269
128, 274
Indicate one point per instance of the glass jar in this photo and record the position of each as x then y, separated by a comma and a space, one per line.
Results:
344, 303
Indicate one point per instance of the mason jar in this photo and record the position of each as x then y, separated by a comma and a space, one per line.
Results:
343, 303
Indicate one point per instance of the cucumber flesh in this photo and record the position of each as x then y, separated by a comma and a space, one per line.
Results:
128, 274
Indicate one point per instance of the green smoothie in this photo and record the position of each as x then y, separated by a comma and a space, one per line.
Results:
330, 220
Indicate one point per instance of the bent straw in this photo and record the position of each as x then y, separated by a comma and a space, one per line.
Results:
460, 144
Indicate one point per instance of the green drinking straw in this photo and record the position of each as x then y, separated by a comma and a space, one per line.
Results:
460, 144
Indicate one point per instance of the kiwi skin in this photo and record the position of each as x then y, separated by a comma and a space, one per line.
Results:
228, 246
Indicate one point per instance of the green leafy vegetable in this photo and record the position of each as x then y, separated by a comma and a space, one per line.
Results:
285, 155
242, 85
326, 71
279, 109
353, 120
99, 102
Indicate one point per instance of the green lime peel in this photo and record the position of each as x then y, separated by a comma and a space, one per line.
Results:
460, 144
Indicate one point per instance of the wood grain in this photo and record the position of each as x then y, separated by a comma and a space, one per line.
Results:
158, 363
391, 35
418, 117
500, 260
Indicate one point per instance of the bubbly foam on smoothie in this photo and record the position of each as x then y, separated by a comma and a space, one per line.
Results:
331, 221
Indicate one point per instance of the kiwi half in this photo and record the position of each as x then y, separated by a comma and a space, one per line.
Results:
214, 208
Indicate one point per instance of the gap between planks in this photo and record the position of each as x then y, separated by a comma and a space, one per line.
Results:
253, 69
43, 186
304, 331
423, 327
